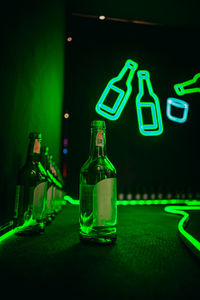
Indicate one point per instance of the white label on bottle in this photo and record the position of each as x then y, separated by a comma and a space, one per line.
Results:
104, 203
49, 198
39, 200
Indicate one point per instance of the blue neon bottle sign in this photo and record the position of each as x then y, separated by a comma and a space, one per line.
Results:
113, 113
156, 127
178, 103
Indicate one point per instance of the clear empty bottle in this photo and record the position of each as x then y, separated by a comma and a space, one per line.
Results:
98, 191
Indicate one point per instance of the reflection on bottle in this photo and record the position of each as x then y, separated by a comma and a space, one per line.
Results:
189, 86
146, 93
113, 113
183, 105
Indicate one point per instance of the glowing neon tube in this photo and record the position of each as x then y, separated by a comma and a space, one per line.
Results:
190, 241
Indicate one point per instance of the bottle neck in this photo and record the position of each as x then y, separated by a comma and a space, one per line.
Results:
128, 71
144, 85
98, 143
33, 151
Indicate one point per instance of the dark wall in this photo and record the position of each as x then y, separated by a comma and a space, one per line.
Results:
31, 85
171, 12
168, 163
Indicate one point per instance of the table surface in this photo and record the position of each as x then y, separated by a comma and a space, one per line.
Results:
149, 260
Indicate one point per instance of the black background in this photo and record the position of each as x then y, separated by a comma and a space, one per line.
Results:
166, 163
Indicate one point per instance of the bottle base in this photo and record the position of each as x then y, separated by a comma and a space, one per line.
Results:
29, 230
99, 235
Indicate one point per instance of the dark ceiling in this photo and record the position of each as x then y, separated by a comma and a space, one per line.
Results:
163, 12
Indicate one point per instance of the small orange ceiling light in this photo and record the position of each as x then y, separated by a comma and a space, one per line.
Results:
66, 115
69, 39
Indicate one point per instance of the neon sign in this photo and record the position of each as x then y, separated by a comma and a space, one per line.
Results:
156, 128
113, 113
144, 100
183, 105
188, 87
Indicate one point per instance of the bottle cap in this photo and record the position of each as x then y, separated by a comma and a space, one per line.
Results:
98, 123
35, 135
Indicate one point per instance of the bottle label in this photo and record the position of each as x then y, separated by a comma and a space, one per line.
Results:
39, 200
104, 202
50, 199
100, 138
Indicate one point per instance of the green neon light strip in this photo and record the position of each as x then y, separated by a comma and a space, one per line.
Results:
113, 113
190, 241
183, 88
142, 202
156, 128
8, 234
157, 202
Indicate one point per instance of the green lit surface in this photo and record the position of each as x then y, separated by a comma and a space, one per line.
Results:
187, 205
156, 128
122, 95
8, 234
193, 243
187, 87
181, 209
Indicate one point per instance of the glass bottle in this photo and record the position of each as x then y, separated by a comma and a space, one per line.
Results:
31, 189
98, 191
50, 190
58, 191
44, 161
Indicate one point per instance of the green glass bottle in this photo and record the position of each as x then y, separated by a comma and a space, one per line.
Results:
31, 190
44, 161
98, 191
50, 190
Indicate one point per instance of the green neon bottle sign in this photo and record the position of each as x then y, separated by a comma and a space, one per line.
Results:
122, 96
188, 87
156, 127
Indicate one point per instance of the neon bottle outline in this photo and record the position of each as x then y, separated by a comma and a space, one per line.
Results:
156, 128
181, 88
115, 112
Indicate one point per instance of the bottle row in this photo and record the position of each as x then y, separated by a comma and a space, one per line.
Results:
39, 190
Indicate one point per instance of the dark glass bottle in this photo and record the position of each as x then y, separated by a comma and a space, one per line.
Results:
44, 161
50, 190
98, 191
31, 189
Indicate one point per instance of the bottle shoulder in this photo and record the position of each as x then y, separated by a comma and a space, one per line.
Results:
98, 162
97, 169
31, 174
